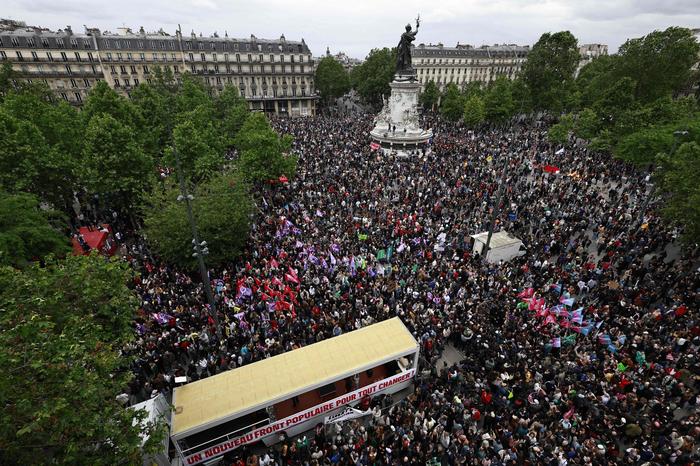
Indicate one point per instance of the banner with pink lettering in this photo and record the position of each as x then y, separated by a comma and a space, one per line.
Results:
296, 419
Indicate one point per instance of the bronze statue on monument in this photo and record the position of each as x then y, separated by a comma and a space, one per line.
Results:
403, 50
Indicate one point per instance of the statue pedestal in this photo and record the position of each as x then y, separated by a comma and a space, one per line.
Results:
397, 126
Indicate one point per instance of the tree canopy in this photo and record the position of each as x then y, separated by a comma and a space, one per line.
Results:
222, 209
63, 326
549, 70
371, 79
332, 80
28, 232
263, 154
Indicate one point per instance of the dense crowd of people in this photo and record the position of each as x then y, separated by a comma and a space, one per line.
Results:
583, 350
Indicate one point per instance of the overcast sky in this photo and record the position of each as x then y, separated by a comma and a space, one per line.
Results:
357, 26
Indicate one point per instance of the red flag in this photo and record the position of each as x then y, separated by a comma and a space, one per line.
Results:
291, 278
550, 169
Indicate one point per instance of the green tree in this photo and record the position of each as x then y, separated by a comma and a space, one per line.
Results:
549, 70
332, 80
63, 327
473, 88
156, 106
642, 147
7, 74
104, 100
222, 209
616, 100
200, 144
28, 232
262, 152
474, 111
371, 79
522, 99
559, 133
660, 62
114, 164
41, 147
430, 96
452, 103
679, 180
230, 111
499, 101
192, 94
587, 123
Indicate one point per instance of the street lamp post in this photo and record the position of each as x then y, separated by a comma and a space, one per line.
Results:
200, 247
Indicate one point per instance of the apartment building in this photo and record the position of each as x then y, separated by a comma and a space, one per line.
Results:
463, 64
275, 76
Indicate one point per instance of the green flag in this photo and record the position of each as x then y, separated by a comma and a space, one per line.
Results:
362, 237
569, 339
621, 367
381, 254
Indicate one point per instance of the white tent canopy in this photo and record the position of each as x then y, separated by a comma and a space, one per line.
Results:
503, 246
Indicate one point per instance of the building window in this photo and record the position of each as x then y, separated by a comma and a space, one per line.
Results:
35, 57
133, 69
64, 96
136, 81
116, 82
203, 56
87, 82
74, 43
68, 70
77, 56
129, 57
73, 83
90, 57
164, 56
44, 43
59, 43
122, 69
86, 44
226, 57
145, 69
176, 69
49, 56
19, 56
109, 56
142, 56
3, 55
213, 56
191, 56
140, 44
120, 56
30, 42
112, 69
117, 44
15, 42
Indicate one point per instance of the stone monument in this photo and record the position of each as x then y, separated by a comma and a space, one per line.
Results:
397, 126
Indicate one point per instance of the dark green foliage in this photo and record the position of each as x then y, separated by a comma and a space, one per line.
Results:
371, 79
63, 326
28, 232
549, 70
263, 154
430, 95
222, 209
332, 80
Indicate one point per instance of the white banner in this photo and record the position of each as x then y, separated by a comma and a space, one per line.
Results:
346, 414
295, 419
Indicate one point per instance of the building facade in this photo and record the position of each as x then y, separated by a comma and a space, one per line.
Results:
464, 64
275, 76
589, 52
